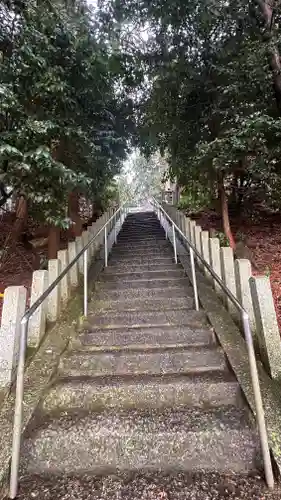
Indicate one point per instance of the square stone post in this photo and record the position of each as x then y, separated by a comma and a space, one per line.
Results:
94, 230
205, 251
228, 277
73, 273
215, 261
37, 322
266, 325
197, 241
192, 226
79, 246
85, 240
243, 273
187, 227
14, 304
54, 297
65, 282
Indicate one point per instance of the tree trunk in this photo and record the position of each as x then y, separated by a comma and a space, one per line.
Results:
53, 242
224, 212
73, 213
275, 64
21, 218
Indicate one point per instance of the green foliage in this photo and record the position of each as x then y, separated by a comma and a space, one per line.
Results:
194, 199
142, 177
62, 123
207, 98
224, 241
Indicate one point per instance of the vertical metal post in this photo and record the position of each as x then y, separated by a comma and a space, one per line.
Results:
86, 283
14, 477
105, 247
258, 402
175, 244
115, 229
194, 282
166, 228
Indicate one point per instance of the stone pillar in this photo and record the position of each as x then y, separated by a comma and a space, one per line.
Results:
228, 277
65, 282
205, 252
85, 240
197, 241
187, 227
192, 226
14, 304
100, 223
215, 261
266, 325
54, 297
79, 246
73, 272
243, 273
37, 322
94, 230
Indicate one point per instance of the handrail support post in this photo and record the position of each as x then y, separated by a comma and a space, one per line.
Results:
18, 415
105, 248
86, 283
175, 244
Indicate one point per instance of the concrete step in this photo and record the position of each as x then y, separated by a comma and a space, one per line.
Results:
132, 267
133, 276
149, 304
141, 234
145, 293
181, 283
142, 239
191, 440
147, 338
147, 486
126, 261
127, 252
149, 362
101, 393
145, 245
136, 319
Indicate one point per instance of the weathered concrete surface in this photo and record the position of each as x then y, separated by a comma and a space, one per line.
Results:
243, 273
135, 319
149, 304
193, 360
54, 298
65, 282
39, 372
14, 303
167, 282
101, 393
37, 322
147, 486
228, 277
197, 242
79, 246
144, 338
266, 325
215, 261
235, 349
205, 251
73, 273
190, 440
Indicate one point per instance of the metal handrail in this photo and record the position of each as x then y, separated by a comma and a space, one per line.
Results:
17, 427
247, 330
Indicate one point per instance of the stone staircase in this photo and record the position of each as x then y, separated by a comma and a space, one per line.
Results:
145, 390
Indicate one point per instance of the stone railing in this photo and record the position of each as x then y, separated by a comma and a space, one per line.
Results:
15, 298
253, 292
